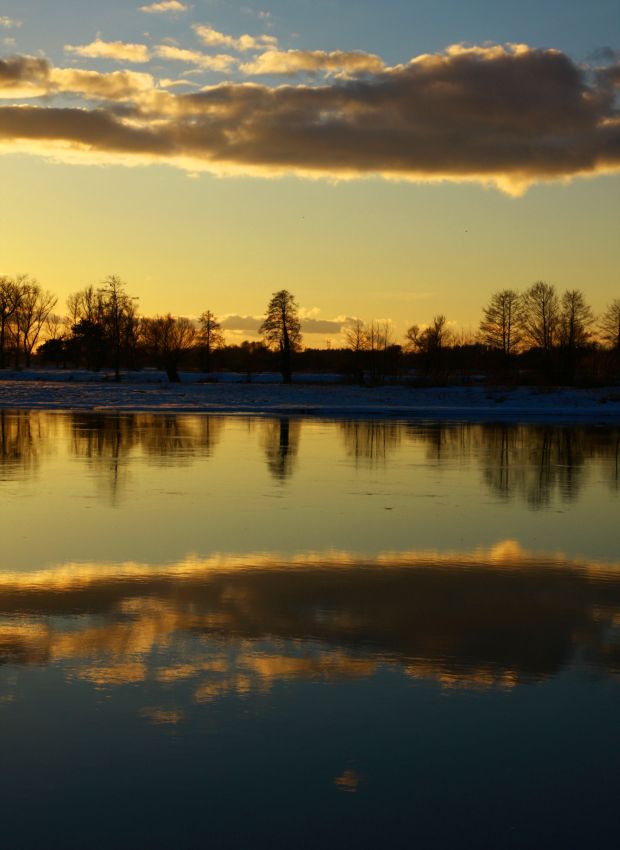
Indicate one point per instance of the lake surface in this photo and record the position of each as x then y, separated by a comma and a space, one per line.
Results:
237, 632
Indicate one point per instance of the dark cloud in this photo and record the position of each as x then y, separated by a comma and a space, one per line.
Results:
512, 116
323, 326
241, 323
17, 71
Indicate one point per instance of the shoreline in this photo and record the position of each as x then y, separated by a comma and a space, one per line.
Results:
326, 400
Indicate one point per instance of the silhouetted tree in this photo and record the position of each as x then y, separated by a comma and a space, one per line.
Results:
500, 327
432, 339
355, 336
86, 304
282, 329
168, 338
87, 345
211, 338
576, 320
118, 317
35, 305
10, 295
610, 325
541, 315
574, 328
378, 339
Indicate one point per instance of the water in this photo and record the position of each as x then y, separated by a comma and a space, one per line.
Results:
236, 632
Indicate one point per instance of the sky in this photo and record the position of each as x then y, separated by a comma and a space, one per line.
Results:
384, 161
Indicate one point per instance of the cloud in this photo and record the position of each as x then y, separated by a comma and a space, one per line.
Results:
29, 76
171, 84
9, 23
221, 62
115, 86
609, 76
234, 322
310, 325
165, 6
120, 51
508, 116
292, 62
213, 38
23, 76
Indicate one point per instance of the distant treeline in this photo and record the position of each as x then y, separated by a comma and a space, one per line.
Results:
535, 336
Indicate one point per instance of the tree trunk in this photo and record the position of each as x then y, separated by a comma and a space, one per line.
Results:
287, 377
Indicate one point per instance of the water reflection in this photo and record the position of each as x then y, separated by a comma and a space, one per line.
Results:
24, 438
198, 611
281, 445
535, 464
371, 441
108, 442
166, 438
242, 625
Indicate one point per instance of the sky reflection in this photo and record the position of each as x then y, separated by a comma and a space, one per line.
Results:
238, 626
375, 624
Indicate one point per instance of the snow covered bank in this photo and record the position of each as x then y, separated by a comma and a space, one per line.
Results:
305, 399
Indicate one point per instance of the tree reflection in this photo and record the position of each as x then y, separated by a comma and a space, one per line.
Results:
371, 441
281, 444
172, 440
24, 438
110, 441
538, 464
533, 463
105, 441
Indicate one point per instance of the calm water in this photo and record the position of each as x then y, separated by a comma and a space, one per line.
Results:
232, 632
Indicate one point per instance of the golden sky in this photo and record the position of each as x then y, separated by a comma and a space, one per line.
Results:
210, 159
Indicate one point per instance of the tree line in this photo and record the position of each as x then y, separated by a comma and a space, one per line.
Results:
537, 333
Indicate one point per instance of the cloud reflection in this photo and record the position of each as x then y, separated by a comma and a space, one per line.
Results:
234, 627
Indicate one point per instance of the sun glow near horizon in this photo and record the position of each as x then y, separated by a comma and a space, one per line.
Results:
370, 181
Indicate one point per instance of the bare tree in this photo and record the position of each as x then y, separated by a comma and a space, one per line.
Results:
576, 320
211, 337
610, 324
86, 305
378, 339
168, 338
541, 315
355, 336
35, 306
282, 329
412, 336
9, 302
435, 337
119, 315
501, 323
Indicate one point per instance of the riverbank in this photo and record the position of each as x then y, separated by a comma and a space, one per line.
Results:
142, 392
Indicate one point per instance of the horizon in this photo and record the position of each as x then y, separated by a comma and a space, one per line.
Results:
398, 234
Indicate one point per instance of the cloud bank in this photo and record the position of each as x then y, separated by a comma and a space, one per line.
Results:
509, 116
